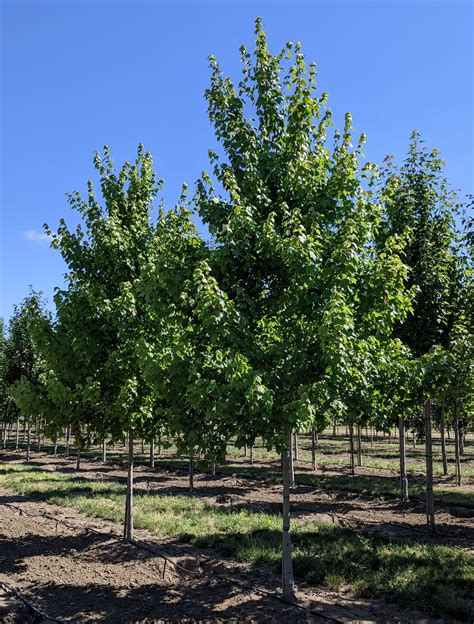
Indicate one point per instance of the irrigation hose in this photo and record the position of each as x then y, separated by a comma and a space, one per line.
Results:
156, 551
34, 609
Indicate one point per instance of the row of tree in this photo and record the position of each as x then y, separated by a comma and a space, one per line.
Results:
324, 287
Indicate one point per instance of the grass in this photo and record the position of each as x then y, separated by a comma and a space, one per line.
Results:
436, 579
380, 456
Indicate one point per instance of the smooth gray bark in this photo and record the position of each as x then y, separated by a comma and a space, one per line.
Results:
290, 460
287, 579
443, 444
359, 445
457, 445
314, 444
128, 525
403, 467
351, 450
28, 440
430, 513
68, 440
191, 471
104, 450
152, 453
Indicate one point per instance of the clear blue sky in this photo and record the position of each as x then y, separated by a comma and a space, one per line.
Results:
80, 74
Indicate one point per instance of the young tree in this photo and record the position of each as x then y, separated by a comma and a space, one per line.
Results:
417, 202
98, 311
23, 364
294, 250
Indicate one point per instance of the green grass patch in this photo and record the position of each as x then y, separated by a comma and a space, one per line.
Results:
436, 579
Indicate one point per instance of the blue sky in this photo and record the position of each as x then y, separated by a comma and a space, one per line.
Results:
80, 74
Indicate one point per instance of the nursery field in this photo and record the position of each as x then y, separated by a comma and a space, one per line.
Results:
359, 554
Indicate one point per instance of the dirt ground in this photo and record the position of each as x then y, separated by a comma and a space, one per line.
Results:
80, 576
382, 515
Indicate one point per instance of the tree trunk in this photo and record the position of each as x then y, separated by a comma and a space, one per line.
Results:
159, 444
68, 440
143, 446
314, 442
457, 454
28, 441
213, 468
245, 450
461, 441
152, 453
443, 444
55, 447
191, 471
251, 454
403, 467
295, 438
128, 525
359, 445
287, 580
38, 435
17, 434
414, 439
430, 514
290, 460
334, 430
351, 450
104, 450
78, 457
371, 437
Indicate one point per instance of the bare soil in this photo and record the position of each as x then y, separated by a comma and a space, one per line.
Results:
80, 576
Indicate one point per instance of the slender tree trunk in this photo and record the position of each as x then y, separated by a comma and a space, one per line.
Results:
68, 440
443, 444
245, 450
457, 454
314, 442
17, 434
128, 525
28, 441
334, 432
191, 471
4, 436
291, 462
462, 438
143, 446
295, 439
351, 449
104, 450
152, 453
287, 580
78, 457
359, 445
251, 454
414, 439
430, 513
403, 467
213, 468
371, 437
159, 444
55, 447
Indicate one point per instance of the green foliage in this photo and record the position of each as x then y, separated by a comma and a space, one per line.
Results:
22, 363
294, 248
90, 348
